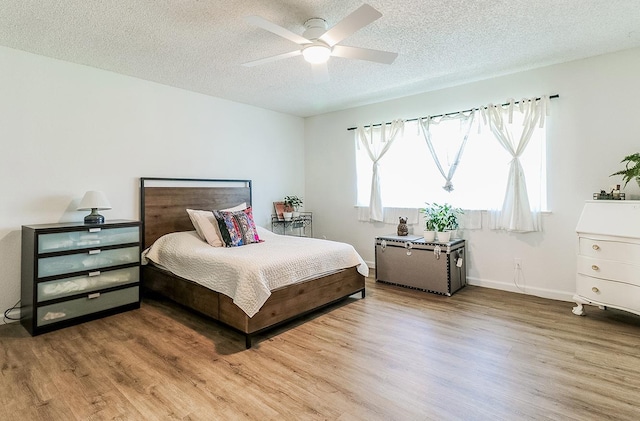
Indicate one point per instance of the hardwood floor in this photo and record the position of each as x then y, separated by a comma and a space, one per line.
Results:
398, 354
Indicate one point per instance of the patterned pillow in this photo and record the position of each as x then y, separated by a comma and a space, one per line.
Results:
237, 228
206, 225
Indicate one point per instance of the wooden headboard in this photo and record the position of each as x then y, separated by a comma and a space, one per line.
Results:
163, 202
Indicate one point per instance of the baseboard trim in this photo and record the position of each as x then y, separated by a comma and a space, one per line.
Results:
551, 294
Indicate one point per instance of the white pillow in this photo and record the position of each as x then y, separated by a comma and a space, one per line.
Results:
203, 222
241, 206
206, 225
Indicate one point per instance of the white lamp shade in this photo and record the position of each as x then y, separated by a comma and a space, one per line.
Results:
94, 200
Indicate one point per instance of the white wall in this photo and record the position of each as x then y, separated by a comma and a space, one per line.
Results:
594, 124
66, 129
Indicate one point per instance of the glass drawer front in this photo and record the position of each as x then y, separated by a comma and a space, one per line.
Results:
89, 238
50, 266
82, 306
92, 282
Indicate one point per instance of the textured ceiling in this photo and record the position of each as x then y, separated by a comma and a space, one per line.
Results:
200, 45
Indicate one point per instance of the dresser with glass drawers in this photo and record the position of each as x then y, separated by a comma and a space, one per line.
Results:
72, 273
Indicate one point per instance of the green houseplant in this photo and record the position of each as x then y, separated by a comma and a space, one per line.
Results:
442, 218
292, 205
429, 233
292, 202
630, 172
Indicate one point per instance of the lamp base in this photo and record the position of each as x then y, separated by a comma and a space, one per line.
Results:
94, 218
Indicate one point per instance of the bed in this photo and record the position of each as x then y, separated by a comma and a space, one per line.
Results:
163, 203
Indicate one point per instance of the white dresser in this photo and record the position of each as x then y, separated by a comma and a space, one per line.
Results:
608, 269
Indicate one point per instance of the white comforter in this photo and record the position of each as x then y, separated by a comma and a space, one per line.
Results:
248, 273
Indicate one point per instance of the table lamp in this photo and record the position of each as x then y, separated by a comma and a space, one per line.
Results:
94, 201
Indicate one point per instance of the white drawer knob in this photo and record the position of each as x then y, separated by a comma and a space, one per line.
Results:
595, 247
594, 289
595, 267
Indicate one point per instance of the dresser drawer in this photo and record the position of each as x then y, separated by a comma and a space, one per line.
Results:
609, 250
94, 259
82, 306
87, 283
94, 237
606, 292
609, 269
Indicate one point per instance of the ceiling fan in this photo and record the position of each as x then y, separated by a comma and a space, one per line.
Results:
317, 43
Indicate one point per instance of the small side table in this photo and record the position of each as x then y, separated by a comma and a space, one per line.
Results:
301, 225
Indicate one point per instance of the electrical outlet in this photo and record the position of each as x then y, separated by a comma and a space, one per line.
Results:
517, 263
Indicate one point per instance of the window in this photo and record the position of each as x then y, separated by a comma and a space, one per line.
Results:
409, 177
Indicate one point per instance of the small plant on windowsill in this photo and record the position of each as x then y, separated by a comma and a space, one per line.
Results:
630, 173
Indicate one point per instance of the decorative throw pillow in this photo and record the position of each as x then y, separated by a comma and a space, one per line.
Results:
207, 226
237, 228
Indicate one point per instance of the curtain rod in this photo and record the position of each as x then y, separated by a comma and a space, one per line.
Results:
453, 113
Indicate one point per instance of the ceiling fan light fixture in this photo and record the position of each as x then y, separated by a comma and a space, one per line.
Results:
316, 53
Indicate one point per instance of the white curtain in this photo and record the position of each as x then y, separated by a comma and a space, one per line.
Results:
516, 214
465, 127
391, 215
376, 147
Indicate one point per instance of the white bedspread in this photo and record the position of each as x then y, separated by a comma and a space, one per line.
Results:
248, 273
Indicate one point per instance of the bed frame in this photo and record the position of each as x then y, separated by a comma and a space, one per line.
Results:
162, 209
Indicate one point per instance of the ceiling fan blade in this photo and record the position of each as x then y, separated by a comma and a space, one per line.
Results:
320, 72
358, 19
272, 58
358, 53
276, 29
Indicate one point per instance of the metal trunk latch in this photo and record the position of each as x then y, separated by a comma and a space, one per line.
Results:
436, 252
408, 245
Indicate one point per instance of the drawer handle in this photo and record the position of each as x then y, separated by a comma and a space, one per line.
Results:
595, 267
95, 229
594, 289
595, 247
94, 295
94, 251
96, 273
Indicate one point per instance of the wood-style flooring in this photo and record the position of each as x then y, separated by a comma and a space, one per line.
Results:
398, 354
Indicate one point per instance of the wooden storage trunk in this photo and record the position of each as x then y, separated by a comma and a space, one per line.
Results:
410, 261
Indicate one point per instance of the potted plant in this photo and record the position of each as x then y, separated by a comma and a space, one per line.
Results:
630, 173
445, 219
429, 232
292, 204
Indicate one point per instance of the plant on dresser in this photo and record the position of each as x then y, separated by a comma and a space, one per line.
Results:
630, 172
72, 272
